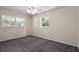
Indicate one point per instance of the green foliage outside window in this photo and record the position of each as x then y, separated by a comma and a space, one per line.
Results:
45, 22
12, 21
7, 20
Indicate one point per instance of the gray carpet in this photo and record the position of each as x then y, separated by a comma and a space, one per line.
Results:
35, 44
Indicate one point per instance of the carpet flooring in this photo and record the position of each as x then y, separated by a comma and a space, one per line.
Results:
35, 44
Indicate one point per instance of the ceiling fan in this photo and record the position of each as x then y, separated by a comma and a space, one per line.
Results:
32, 10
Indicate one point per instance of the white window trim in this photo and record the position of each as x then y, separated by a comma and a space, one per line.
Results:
15, 20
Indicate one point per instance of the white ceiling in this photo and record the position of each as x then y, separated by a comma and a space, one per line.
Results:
23, 9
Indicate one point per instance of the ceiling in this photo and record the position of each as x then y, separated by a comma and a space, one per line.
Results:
23, 9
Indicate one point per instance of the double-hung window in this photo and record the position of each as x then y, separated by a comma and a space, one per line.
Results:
44, 22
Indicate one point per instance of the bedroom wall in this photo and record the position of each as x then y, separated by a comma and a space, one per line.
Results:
7, 33
62, 26
78, 25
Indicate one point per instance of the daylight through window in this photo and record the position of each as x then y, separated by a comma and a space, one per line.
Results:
10, 21
44, 22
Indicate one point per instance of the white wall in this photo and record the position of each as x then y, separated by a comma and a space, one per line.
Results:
78, 26
7, 33
62, 25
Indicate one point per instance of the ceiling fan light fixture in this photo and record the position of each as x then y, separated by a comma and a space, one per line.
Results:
31, 10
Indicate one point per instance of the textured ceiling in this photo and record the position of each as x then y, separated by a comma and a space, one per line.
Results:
23, 9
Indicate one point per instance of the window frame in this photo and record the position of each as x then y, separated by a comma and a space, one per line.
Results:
41, 22
14, 19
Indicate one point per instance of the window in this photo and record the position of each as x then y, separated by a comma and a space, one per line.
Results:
19, 21
44, 22
10, 21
